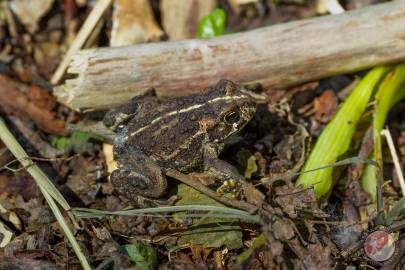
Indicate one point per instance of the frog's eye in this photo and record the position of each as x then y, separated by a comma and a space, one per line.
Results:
232, 118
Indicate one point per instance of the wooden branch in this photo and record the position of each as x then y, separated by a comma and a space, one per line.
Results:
277, 56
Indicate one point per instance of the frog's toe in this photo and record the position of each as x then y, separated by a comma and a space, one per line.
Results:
230, 186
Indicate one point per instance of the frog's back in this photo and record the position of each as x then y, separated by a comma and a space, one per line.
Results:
168, 131
174, 131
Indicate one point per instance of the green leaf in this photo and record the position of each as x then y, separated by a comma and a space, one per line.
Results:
76, 139
212, 25
208, 231
390, 91
251, 167
79, 136
60, 142
142, 256
336, 137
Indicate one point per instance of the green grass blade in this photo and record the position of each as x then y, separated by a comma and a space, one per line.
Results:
390, 91
225, 211
335, 138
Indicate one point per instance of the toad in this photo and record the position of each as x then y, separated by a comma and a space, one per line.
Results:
183, 133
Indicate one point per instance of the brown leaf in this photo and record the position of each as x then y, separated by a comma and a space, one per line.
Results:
14, 102
19, 184
41, 98
325, 106
295, 199
319, 257
28, 260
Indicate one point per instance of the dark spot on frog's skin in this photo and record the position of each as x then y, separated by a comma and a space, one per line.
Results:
349, 122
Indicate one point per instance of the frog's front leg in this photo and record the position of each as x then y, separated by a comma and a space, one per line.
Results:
229, 176
137, 174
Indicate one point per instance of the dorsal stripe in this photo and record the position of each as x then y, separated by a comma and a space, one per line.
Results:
193, 107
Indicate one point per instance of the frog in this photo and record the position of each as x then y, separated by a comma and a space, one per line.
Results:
186, 133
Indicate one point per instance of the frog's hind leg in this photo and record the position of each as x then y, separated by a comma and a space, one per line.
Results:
137, 174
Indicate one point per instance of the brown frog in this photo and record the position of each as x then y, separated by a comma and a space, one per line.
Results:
183, 133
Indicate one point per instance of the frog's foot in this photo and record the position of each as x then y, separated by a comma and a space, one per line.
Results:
232, 186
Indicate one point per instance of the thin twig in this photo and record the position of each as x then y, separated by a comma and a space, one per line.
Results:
190, 181
386, 132
8, 164
81, 37
215, 211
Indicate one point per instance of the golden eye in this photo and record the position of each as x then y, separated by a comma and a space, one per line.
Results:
232, 117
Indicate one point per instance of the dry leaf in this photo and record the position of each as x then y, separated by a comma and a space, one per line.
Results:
325, 106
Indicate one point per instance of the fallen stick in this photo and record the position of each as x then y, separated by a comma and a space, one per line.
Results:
276, 56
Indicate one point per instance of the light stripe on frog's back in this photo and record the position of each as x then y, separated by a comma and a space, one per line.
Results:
227, 99
166, 126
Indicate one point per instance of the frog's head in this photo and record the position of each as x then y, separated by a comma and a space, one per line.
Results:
231, 109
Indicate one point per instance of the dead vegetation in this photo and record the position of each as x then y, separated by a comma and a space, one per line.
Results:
63, 62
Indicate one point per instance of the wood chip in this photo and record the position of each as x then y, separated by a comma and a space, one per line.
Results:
133, 23
28, 13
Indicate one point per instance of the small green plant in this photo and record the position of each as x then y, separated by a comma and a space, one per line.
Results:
140, 255
337, 135
212, 25
76, 139
335, 138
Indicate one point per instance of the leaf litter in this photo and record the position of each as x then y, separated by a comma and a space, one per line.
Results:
295, 229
